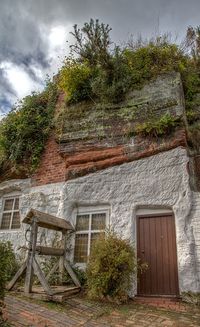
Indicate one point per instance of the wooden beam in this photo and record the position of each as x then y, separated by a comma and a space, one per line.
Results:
71, 273
45, 250
46, 220
53, 270
41, 277
18, 274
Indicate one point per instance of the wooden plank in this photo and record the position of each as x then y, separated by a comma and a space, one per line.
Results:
71, 273
46, 220
12, 283
31, 255
156, 236
41, 277
56, 297
45, 250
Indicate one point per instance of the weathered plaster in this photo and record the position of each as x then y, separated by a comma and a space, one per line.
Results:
159, 182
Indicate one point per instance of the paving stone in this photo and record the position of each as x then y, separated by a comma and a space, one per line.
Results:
77, 312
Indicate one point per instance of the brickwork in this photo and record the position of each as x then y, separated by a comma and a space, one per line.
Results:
80, 312
52, 165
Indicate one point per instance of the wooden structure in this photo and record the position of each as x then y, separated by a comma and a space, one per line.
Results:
31, 266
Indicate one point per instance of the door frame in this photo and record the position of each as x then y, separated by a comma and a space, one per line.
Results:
158, 214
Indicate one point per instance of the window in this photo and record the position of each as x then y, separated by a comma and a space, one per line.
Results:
10, 216
89, 226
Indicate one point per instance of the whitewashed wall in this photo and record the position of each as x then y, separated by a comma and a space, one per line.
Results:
160, 182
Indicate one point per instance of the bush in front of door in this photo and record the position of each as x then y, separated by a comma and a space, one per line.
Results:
111, 267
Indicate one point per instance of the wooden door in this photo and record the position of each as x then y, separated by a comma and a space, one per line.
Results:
156, 245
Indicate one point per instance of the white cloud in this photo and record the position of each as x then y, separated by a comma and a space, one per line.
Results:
57, 36
21, 83
57, 40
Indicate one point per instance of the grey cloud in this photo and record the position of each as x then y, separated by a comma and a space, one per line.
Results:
24, 25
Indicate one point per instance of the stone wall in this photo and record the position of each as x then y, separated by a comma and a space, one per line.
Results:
159, 182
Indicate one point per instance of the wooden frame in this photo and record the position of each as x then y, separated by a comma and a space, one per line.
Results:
12, 211
39, 219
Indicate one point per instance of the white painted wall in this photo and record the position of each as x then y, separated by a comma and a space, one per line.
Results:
160, 182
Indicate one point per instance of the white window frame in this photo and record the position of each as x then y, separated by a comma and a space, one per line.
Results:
10, 197
90, 211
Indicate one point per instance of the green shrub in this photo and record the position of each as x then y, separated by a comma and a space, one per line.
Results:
111, 266
8, 265
75, 80
157, 127
24, 130
112, 82
151, 60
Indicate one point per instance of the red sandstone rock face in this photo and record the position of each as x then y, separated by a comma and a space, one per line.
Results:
89, 138
56, 166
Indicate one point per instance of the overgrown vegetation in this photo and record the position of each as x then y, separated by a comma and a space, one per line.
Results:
95, 70
101, 72
8, 265
157, 127
24, 130
112, 265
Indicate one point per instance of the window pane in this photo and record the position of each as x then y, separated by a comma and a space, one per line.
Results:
81, 247
5, 223
98, 221
16, 203
16, 220
8, 204
82, 222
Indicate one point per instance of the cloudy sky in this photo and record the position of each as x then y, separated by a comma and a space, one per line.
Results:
34, 34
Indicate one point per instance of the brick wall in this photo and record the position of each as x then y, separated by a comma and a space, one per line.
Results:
52, 165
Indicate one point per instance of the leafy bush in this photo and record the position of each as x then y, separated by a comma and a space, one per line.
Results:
74, 79
92, 43
157, 127
8, 265
111, 266
152, 60
112, 82
24, 130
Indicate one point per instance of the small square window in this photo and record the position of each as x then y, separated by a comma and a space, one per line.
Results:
10, 216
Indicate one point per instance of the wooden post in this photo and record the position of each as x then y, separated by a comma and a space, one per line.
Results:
61, 260
31, 255
19, 273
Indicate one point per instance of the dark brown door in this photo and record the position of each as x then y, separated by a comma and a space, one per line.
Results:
156, 245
